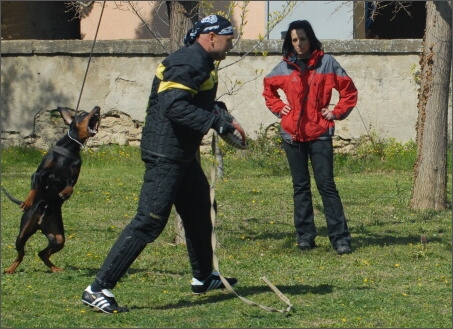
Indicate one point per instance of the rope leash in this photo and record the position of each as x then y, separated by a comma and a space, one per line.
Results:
91, 54
216, 260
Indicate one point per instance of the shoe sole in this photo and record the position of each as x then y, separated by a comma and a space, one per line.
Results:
97, 308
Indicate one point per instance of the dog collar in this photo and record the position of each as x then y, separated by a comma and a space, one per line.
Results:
63, 151
75, 140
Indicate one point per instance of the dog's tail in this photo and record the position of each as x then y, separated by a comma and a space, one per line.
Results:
13, 199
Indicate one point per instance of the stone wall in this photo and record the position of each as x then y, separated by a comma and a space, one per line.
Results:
37, 76
115, 128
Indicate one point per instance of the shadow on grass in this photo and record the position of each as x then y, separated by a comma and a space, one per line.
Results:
247, 292
387, 240
362, 237
91, 272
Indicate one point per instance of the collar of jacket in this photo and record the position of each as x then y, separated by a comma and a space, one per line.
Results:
204, 53
314, 59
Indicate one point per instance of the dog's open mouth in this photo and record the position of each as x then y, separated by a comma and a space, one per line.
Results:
93, 124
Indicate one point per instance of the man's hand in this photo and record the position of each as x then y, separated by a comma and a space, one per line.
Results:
220, 104
222, 122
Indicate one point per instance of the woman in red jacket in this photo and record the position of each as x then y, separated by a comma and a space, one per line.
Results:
307, 75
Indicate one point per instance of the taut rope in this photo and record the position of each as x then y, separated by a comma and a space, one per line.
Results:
89, 60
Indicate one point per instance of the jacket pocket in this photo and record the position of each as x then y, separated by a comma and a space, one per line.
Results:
289, 122
316, 129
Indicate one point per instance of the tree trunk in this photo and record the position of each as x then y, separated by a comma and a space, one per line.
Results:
430, 170
182, 16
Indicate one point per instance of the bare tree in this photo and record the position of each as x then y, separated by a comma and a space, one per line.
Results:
430, 171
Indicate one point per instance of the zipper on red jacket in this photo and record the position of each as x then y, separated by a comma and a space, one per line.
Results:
304, 100
295, 137
319, 54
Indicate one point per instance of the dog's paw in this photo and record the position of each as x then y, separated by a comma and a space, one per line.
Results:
26, 205
66, 193
9, 271
56, 269
64, 196
29, 200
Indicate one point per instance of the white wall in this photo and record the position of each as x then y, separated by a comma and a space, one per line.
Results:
330, 19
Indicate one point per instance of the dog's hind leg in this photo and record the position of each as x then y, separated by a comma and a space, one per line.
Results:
29, 224
54, 232
25, 233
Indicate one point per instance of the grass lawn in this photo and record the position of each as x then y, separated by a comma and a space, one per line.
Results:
390, 280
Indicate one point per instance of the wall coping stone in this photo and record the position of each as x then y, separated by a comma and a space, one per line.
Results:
156, 48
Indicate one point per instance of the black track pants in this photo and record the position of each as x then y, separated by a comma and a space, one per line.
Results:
166, 183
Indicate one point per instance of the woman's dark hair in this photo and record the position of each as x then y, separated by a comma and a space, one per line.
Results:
288, 48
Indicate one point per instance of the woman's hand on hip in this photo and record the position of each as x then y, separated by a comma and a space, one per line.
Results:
327, 114
285, 110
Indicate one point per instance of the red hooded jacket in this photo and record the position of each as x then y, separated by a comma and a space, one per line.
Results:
307, 91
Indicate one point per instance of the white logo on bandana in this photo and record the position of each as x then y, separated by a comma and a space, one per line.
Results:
227, 30
209, 19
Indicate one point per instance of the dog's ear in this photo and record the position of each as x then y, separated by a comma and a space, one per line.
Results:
66, 114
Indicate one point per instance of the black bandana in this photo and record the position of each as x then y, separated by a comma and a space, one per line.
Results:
212, 23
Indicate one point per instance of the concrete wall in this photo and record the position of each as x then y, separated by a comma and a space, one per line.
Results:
41, 75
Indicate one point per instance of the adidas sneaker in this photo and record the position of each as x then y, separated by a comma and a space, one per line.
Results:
103, 301
210, 283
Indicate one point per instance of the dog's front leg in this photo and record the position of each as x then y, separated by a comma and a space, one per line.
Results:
37, 179
30, 199
69, 189
66, 192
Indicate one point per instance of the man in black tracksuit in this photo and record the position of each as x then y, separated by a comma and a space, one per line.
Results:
179, 114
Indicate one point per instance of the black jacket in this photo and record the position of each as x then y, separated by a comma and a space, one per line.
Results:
180, 106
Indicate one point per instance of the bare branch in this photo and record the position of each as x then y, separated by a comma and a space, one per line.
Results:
232, 87
274, 18
134, 7
81, 9
398, 6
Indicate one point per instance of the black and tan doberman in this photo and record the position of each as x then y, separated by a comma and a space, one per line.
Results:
52, 184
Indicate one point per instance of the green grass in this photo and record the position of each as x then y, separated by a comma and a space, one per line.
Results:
390, 280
